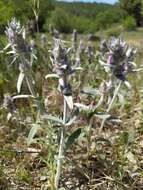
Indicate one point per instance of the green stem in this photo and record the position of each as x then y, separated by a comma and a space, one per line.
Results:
110, 105
61, 148
30, 85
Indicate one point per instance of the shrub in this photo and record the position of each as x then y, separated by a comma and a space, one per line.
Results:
114, 31
129, 23
61, 21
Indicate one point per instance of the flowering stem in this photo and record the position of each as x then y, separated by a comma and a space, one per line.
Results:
30, 85
61, 148
110, 105
33, 93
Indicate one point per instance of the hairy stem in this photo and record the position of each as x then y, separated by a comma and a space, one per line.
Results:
110, 105
61, 148
28, 76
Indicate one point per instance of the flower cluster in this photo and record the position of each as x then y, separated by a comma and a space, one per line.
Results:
61, 66
117, 57
90, 51
16, 37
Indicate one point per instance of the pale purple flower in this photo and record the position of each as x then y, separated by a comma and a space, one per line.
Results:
117, 57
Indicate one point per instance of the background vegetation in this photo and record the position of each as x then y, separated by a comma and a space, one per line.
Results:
115, 158
85, 17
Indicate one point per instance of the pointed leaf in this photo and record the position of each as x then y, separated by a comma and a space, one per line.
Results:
19, 81
51, 76
32, 133
52, 118
102, 115
71, 121
91, 91
69, 101
128, 84
82, 106
22, 96
114, 120
9, 115
73, 137
100, 101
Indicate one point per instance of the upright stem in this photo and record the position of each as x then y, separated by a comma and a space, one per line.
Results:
61, 148
110, 105
33, 93
28, 76
37, 24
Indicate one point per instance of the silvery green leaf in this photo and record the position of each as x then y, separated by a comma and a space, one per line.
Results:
11, 52
7, 46
73, 137
13, 60
30, 85
34, 56
71, 121
121, 98
9, 115
128, 51
64, 66
102, 115
19, 81
22, 96
137, 70
103, 63
52, 118
51, 76
100, 101
115, 120
82, 106
78, 68
32, 133
134, 64
91, 91
127, 84
61, 81
69, 50
69, 101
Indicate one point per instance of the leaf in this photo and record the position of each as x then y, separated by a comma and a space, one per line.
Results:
51, 76
7, 46
19, 81
78, 68
102, 115
71, 121
32, 133
127, 84
11, 52
52, 118
69, 101
91, 91
72, 138
100, 101
114, 120
22, 96
9, 115
130, 156
82, 106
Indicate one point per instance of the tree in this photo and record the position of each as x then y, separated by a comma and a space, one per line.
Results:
133, 8
61, 20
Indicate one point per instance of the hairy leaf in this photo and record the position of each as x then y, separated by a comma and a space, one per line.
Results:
19, 81
73, 137
32, 133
